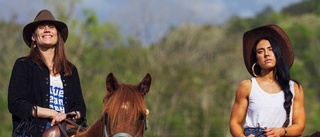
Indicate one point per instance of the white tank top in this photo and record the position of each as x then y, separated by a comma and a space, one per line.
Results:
266, 110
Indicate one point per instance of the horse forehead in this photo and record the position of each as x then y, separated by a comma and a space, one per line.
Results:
128, 87
125, 105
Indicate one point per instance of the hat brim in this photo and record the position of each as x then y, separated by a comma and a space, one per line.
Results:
29, 29
250, 37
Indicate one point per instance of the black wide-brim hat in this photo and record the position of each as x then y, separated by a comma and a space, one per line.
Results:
44, 16
250, 38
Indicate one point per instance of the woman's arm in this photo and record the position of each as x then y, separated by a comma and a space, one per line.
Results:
239, 108
42, 112
19, 90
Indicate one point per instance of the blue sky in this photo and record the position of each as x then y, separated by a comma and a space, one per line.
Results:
149, 19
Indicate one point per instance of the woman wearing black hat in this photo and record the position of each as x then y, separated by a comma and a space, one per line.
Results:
270, 103
44, 86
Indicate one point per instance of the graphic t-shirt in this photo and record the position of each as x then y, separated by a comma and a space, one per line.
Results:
56, 94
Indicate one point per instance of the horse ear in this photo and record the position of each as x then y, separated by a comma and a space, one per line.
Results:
145, 84
111, 83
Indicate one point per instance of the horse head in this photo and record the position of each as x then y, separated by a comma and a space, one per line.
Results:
124, 109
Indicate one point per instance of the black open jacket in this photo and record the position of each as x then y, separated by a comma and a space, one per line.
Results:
29, 86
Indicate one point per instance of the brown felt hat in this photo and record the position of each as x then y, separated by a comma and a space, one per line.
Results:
44, 16
250, 37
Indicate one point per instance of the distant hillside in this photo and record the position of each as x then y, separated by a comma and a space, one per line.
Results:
304, 7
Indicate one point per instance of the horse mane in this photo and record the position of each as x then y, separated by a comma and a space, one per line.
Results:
124, 104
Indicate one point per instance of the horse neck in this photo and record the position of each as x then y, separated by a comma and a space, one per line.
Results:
96, 130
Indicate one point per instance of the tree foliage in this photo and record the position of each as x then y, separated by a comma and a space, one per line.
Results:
304, 7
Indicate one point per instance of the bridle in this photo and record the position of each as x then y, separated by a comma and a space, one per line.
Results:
105, 121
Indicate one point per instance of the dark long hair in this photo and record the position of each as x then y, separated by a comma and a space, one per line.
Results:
61, 63
282, 74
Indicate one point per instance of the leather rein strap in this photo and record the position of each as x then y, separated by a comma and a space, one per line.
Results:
63, 129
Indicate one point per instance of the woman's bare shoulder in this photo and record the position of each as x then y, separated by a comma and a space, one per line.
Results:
245, 87
246, 83
298, 88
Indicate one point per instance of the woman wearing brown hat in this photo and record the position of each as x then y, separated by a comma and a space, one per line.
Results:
270, 103
44, 86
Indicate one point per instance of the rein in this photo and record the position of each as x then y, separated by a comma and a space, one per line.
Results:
76, 126
63, 130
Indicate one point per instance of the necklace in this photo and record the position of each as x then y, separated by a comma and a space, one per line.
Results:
50, 66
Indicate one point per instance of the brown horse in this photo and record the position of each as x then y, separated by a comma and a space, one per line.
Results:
124, 112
